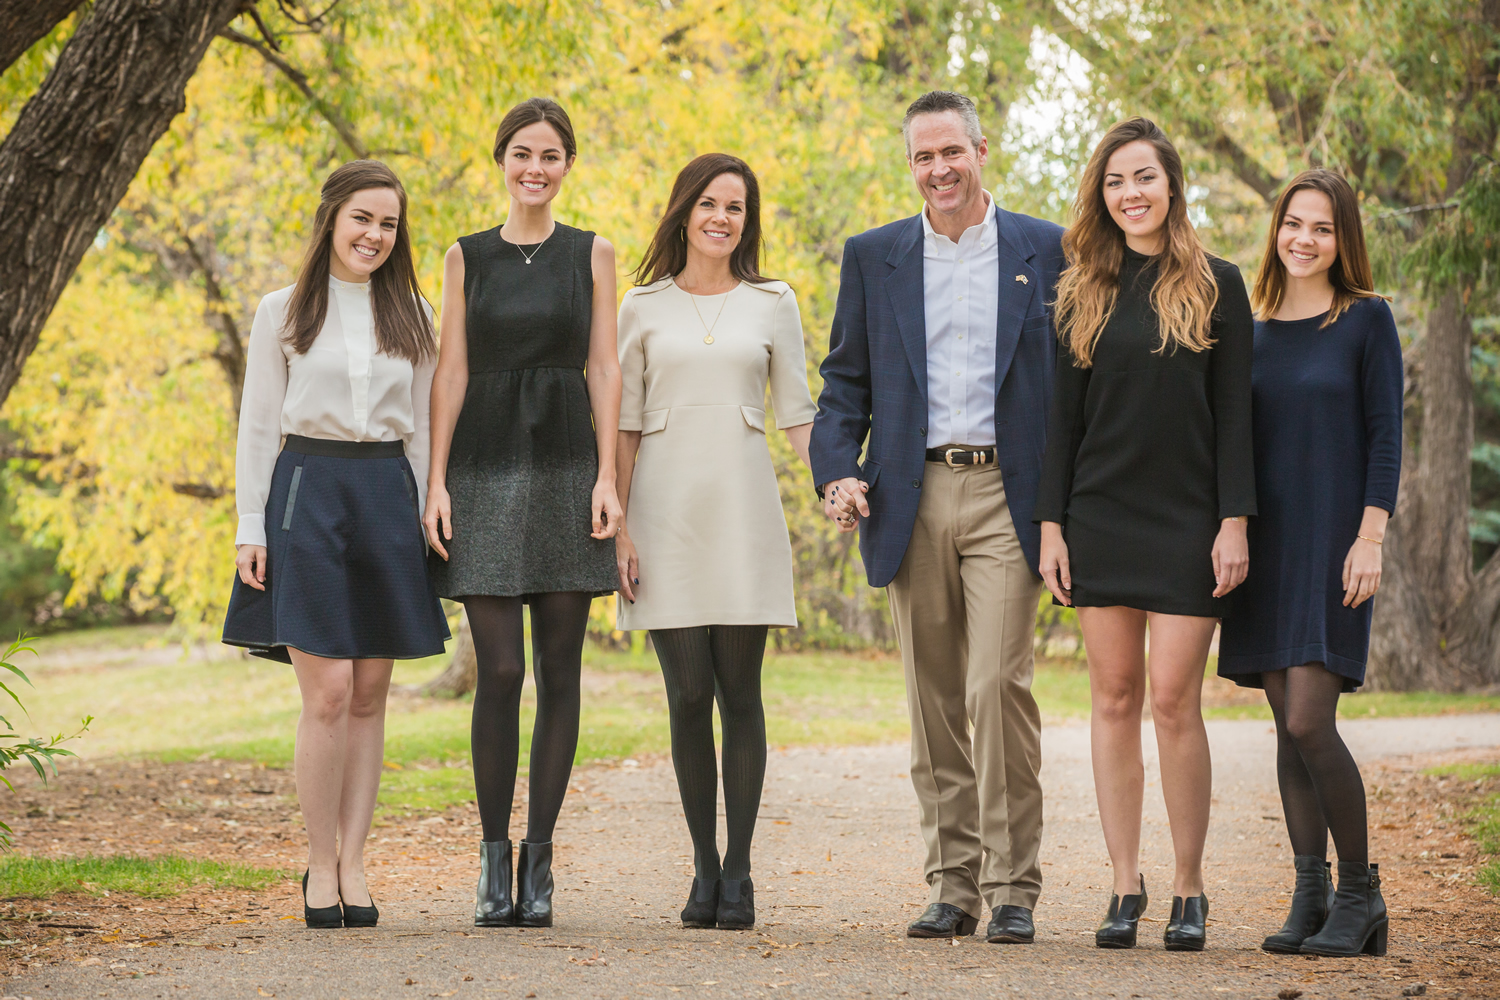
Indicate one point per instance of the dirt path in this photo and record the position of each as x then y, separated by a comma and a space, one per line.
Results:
837, 878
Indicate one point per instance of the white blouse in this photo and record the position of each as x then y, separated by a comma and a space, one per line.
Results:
342, 389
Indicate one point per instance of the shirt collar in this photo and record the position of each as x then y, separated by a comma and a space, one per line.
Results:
928, 233
348, 286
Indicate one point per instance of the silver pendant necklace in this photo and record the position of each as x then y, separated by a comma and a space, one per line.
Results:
534, 250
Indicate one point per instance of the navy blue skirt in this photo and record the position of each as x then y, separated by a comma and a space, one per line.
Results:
346, 559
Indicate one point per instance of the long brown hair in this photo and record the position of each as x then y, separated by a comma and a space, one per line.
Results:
1350, 274
1185, 292
667, 254
402, 329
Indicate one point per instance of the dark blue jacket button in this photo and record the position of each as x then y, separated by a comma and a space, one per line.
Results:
916, 484
922, 431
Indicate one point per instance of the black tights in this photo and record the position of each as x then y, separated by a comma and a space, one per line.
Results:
697, 663
558, 623
1321, 789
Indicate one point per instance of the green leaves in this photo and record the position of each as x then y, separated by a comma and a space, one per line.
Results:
37, 752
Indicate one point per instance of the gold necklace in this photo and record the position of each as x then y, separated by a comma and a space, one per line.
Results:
709, 330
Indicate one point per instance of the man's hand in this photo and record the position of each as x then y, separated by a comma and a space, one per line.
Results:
844, 502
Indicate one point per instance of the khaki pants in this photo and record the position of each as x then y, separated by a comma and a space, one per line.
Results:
964, 604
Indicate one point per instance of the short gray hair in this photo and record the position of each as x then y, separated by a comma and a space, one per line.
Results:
936, 102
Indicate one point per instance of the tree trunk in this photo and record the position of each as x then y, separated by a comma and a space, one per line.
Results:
80, 140
23, 23
462, 672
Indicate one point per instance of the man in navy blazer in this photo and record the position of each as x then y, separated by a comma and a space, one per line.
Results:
929, 439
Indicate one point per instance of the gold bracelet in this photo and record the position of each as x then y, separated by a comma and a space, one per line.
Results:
1377, 541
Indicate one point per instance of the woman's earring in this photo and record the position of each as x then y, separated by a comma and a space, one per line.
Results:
682, 234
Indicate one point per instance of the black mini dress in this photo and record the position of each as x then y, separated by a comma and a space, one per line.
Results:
1148, 450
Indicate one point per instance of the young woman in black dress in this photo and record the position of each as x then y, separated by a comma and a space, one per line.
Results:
1146, 486
1327, 389
521, 495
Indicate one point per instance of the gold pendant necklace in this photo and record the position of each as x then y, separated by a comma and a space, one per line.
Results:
709, 330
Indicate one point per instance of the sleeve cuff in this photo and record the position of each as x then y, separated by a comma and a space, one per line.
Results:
252, 530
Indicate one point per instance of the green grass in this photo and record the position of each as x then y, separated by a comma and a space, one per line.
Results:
1376, 705
39, 878
1483, 819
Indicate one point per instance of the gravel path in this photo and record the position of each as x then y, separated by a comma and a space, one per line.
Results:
837, 878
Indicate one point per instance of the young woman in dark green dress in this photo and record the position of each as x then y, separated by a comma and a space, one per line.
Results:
1145, 488
1327, 390
521, 502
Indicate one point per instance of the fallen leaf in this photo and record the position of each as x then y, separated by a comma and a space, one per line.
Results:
1290, 993
263, 992
411, 982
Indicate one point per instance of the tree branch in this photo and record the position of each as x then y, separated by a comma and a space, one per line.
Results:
299, 80
23, 23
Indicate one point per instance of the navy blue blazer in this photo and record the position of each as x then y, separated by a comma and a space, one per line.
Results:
875, 379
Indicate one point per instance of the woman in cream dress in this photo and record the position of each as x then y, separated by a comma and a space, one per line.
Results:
705, 562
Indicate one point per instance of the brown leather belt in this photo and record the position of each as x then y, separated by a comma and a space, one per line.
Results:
957, 457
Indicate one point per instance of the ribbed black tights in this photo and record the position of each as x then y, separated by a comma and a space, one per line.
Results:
698, 663
1321, 788
558, 623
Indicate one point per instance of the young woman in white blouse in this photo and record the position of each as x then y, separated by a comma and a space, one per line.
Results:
330, 469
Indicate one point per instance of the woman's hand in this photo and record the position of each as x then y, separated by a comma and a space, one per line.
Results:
1361, 572
438, 512
844, 502
1231, 555
250, 560
629, 565
609, 518
1056, 573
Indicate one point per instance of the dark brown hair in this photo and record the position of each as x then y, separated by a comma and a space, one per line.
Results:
402, 329
1185, 292
1350, 274
529, 112
667, 254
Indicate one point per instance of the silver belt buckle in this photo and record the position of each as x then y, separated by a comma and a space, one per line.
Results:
948, 457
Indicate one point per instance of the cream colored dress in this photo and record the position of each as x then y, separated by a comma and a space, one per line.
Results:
705, 508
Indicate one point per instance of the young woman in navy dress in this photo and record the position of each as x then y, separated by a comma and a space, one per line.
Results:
329, 474
1327, 398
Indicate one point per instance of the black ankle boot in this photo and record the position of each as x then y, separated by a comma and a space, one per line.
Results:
492, 902
534, 885
702, 907
736, 904
1119, 926
1357, 921
1187, 929
320, 917
1311, 900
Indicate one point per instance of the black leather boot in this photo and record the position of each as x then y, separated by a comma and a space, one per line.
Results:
534, 885
736, 904
1357, 921
1119, 926
702, 909
492, 902
1311, 900
1187, 929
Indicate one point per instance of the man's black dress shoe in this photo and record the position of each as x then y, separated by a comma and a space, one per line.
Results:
1011, 925
942, 920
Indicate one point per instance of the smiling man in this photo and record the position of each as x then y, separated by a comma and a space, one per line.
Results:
941, 355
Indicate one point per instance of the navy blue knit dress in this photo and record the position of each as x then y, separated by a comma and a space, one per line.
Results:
1327, 420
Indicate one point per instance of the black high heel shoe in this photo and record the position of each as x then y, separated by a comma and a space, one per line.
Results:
702, 907
360, 916
1119, 927
1187, 930
736, 904
534, 885
320, 917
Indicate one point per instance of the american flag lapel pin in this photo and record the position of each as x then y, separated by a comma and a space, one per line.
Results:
1023, 279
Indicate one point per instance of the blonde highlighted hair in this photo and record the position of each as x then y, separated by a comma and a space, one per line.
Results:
1185, 293
1351, 275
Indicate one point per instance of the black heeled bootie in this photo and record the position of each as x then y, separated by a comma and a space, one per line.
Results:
1187, 929
736, 904
534, 885
1357, 921
1119, 926
1311, 900
702, 909
492, 903
320, 917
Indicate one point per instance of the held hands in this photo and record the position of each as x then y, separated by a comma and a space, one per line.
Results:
1361, 572
438, 512
1231, 556
250, 560
1054, 563
844, 502
628, 564
609, 517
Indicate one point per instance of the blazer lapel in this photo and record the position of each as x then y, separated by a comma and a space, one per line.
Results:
1019, 283
904, 286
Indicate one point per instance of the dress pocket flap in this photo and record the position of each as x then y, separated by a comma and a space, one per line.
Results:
654, 420
755, 417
